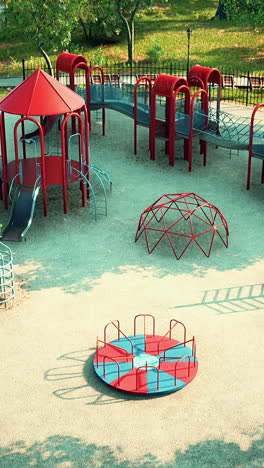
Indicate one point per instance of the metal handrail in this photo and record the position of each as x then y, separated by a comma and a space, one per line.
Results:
175, 368
113, 346
146, 367
145, 315
169, 332
11, 185
119, 331
118, 368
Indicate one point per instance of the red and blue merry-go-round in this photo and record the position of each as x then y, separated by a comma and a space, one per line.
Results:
146, 363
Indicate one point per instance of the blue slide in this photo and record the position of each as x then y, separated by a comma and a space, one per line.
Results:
22, 212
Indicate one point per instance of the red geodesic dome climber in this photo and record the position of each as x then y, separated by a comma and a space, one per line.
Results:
182, 219
43, 96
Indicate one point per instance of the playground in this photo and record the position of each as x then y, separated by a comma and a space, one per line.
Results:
75, 274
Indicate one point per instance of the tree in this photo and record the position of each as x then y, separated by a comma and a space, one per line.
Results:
100, 21
127, 10
243, 12
109, 17
220, 11
49, 23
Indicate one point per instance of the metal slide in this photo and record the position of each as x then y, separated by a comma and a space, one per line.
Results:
22, 212
48, 123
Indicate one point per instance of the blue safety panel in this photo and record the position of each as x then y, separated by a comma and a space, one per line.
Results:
258, 150
182, 123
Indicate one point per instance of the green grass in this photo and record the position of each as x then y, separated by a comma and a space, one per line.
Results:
213, 43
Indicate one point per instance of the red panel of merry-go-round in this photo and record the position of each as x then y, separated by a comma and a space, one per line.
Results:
146, 364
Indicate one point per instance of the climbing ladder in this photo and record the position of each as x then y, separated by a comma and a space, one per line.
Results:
94, 180
7, 288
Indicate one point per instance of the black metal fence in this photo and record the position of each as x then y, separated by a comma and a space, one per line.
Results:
240, 87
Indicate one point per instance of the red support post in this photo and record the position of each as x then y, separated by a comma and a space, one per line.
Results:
4, 158
176, 365
251, 148
148, 83
89, 78
205, 107
42, 158
167, 86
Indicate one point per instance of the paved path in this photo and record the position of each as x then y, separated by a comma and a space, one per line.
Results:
10, 82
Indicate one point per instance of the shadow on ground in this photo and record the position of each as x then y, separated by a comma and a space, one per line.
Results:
56, 450
73, 251
78, 381
231, 300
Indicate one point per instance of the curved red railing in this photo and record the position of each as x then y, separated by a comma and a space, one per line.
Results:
127, 357
175, 368
250, 153
42, 157
205, 107
89, 77
153, 326
146, 367
169, 333
163, 358
144, 315
118, 368
64, 154
119, 331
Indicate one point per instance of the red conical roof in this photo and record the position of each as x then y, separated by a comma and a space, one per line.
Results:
40, 94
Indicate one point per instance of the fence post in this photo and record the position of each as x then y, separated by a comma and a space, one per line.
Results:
131, 70
23, 69
248, 85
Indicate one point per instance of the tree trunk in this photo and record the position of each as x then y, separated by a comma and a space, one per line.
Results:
130, 44
220, 12
128, 33
130, 28
87, 36
47, 60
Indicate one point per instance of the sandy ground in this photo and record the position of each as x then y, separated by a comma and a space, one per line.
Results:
74, 275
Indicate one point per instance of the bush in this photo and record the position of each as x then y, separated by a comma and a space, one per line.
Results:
156, 53
97, 57
245, 12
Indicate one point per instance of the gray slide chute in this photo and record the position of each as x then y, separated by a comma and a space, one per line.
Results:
22, 211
